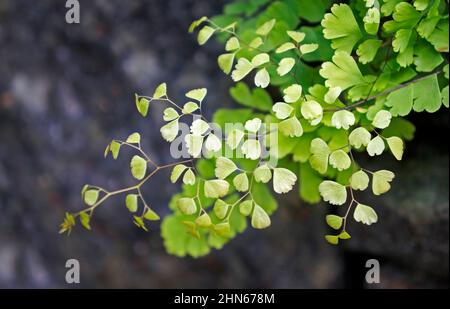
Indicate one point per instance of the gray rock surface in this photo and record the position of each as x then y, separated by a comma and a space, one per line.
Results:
67, 90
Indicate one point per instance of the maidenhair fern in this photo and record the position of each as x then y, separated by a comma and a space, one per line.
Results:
343, 82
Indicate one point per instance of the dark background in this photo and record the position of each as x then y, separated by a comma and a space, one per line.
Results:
67, 90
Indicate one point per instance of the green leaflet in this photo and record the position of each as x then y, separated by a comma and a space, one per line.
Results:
367, 50
225, 62
283, 180
341, 27
333, 192
313, 11
90, 197
160, 91
260, 219
131, 201
204, 34
344, 73
309, 181
365, 214
142, 105
319, 155
427, 95
257, 98
359, 180
334, 221
372, 21
381, 181
242, 68
134, 138
423, 95
138, 167
315, 35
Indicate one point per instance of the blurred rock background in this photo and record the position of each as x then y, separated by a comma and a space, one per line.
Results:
67, 90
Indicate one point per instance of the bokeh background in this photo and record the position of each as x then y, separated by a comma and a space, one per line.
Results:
67, 90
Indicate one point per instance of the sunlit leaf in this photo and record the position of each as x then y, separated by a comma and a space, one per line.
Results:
204, 34
333, 192
251, 148
359, 180
225, 62
376, 146
142, 105
246, 207
282, 110
189, 177
232, 44
308, 48
359, 137
291, 127
170, 131
241, 182
382, 119
131, 201
253, 125
265, 28
203, 221
197, 94
177, 171
114, 147
160, 91
341, 27
234, 138
151, 215
311, 110
213, 143
340, 160
262, 78
292, 93
319, 155
285, 66
285, 47
381, 181
138, 167
283, 180
220, 209
170, 114
134, 138
396, 146
216, 188
84, 219
262, 174
296, 36
332, 239
224, 167
187, 205
343, 119
190, 107
194, 144
365, 214
260, 59
260, 219
196, 23
91, 196
242, 68
334, 221
199, 127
